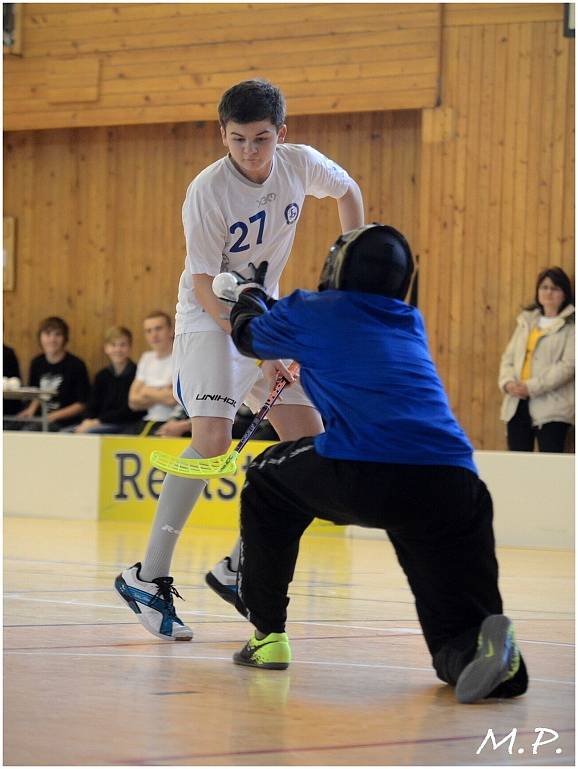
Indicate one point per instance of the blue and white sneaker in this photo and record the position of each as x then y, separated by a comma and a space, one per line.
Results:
153, 604
223, 580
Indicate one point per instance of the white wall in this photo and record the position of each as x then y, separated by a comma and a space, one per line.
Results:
47, 475
57, 476
533, 498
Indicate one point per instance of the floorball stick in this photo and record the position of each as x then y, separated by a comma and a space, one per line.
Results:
225, 464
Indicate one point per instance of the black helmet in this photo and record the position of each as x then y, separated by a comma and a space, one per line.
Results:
375, 259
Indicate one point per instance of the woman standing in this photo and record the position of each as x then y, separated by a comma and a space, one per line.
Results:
537, 368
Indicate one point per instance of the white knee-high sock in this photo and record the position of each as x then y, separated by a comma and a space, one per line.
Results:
177, 498
235, 552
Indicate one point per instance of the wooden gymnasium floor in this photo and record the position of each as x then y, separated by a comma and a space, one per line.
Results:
85, 685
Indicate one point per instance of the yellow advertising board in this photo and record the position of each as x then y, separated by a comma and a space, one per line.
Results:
130, 487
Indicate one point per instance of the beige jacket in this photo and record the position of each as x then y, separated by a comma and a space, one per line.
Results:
551, 387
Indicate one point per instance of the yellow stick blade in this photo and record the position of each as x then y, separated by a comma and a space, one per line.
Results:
212, 467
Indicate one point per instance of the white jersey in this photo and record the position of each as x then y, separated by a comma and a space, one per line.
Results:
230, 221
156, 372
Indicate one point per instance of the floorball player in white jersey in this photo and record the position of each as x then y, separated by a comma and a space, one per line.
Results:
240, 211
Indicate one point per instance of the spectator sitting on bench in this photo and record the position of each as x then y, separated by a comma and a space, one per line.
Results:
152, 388
108, 410
57, 369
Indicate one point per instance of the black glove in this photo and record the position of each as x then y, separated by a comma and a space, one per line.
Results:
252, 302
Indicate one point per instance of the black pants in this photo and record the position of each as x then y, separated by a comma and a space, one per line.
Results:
522, 434
439, 520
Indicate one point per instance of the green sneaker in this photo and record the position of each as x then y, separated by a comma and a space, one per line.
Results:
497, 659
272, 652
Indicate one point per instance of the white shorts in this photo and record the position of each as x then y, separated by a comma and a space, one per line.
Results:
212, 379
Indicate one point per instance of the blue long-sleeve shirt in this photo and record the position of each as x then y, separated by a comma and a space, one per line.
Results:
366, 365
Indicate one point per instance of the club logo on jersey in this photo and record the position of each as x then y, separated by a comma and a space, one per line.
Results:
269, 198
292, 213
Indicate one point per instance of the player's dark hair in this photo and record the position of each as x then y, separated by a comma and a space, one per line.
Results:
559, 279
54, 323
252, 100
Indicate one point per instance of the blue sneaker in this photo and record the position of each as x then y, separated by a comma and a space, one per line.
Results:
153, 604
223, 580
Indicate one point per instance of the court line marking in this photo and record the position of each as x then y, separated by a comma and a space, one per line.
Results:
398, 632
210, 658
64, 590
100, 624
300, 574
568, 616
205, 658
192, 612
320, 748
197, 613
160, 642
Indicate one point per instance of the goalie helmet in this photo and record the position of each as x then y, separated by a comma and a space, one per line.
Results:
375, 259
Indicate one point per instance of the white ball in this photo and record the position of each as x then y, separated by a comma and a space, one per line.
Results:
13, 383
224, 285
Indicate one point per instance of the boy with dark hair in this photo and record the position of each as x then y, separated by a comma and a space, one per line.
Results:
252, 100
57, 369
108, 410
241, 210
393, 457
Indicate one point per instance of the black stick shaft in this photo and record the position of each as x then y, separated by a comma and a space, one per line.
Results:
262, 413
266, 408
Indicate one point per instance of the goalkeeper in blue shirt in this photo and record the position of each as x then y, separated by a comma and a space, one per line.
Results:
392, 457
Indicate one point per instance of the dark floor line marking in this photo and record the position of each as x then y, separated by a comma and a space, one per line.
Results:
211, 642
318, 748
170, 694
513, 613
71, 624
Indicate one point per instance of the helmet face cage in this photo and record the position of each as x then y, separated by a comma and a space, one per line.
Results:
336, 270
331, 273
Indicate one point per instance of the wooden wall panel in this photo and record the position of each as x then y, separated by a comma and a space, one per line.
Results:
483, 183
477, 14
98, 212
168, 62
9, 243
495, 198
